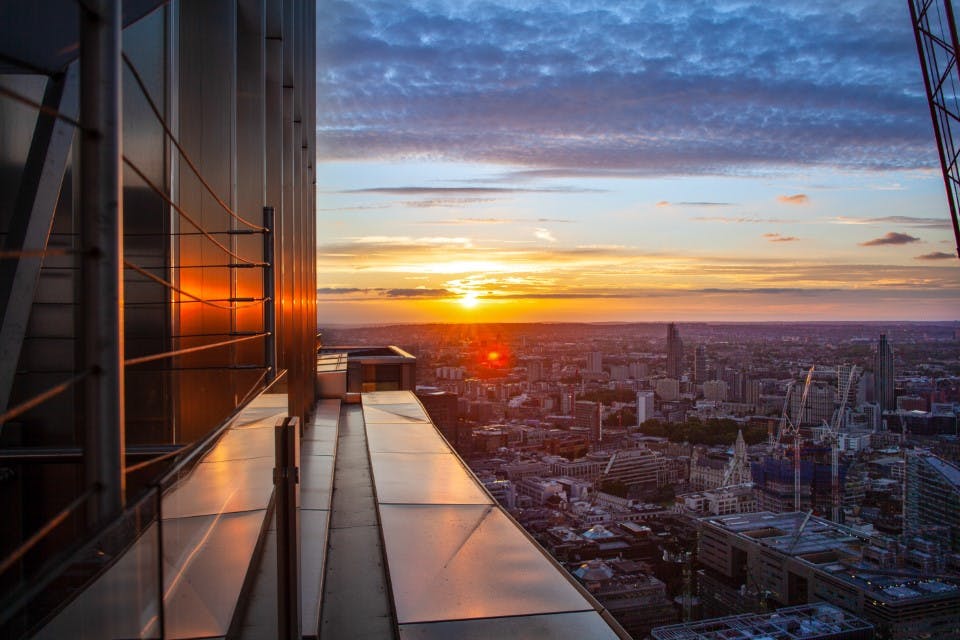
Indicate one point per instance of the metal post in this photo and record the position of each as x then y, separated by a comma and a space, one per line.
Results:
286, 476
269, 292
101, 264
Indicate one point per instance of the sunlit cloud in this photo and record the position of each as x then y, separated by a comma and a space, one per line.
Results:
544, 234
776, 237
907, 221
666, 203
407, 241
465, 191
892, 237
797, 198
448, 203
743, 220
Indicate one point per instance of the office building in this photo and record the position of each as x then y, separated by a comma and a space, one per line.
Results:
883, 375
674, 352
793, 558
932, 495
587, 418
595, 362
645, 406
637, 469
715, 391
816, 621
700, 364
667, 388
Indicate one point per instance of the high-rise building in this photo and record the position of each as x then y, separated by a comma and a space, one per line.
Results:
534, 370
715, 390
932, 495
645, 406
587, 416
594, 362
700, 364
883, 375
639, 370
667, 388
674, 352
821, 400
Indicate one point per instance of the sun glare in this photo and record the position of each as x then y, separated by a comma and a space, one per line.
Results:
469, 300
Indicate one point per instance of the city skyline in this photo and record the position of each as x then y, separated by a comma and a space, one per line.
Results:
644, 162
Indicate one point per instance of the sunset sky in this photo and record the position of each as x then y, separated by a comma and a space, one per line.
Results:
553, 161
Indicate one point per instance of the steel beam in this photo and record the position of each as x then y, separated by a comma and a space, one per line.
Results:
101, 244
32, 219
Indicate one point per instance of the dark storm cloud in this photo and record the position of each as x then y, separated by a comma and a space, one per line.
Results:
645, 88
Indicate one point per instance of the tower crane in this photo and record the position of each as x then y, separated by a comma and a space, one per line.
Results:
833, 439
791, 428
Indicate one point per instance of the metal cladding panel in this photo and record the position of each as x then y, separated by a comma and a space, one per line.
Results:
456, 562
207, 93
146, 241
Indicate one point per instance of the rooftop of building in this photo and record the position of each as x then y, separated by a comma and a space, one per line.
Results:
397, 538
836, 550
817, 620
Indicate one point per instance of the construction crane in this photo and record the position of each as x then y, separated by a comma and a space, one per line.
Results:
833, 439
935, 28
791, 428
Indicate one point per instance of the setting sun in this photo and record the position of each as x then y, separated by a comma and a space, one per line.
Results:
469, 300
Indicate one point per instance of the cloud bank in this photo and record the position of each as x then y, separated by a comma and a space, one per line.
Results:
651, 87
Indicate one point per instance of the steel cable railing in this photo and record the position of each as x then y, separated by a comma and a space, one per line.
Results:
230, 304
183, 154
42, 397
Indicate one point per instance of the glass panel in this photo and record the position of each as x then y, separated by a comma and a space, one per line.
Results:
388, 397
123, 601
405, 438
205, 562
218, 487
462, 562
430, 478
410, 412
558, 626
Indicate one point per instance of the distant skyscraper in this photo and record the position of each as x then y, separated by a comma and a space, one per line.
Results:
674, 352
644, 406
883, 379
587, 416
534, 370
700, 365
594, 362
715, 390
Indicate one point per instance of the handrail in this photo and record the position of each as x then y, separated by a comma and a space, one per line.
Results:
13, 604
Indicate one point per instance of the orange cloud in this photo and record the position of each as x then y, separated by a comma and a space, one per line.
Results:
797, 198
776, 237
